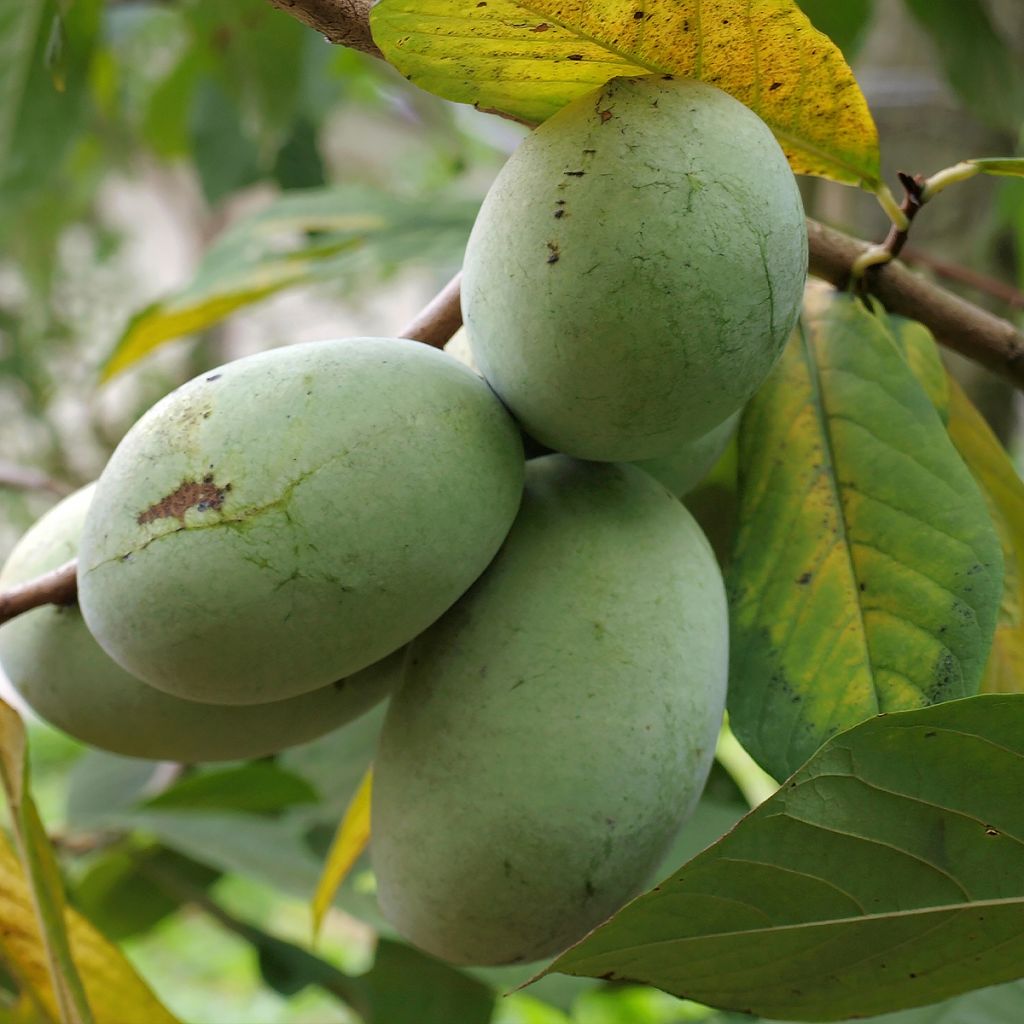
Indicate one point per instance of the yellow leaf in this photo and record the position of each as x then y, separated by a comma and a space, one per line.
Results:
46, 891
116, 993
349, 842
529, 58
1004, 493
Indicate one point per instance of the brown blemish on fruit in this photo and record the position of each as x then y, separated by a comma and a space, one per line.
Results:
553, 252
201, 496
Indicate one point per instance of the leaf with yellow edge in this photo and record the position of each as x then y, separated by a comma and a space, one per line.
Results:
867, 574
47, 893
116, 993
349, 842
303, 237
1004, 491
529, 58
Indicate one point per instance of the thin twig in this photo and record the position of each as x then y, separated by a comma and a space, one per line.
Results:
24, 478
59, 586
1000, 290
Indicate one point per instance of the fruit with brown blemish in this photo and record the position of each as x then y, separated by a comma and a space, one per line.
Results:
66, 678
555, 728
287, 520
678, 277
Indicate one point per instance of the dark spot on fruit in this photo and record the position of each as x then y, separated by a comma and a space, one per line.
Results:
339, 684
575, 174
588, 889
214, 376
559, 214
553, 254
202, 496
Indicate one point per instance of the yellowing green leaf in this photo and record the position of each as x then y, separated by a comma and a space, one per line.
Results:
304, 237
116, 993
529, 58
1004, 492
867, 574
55, 968
349, 841
918, 348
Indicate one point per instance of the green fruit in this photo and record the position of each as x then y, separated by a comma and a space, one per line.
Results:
66, 678
681, 471
292, 517
556, 726
636, 268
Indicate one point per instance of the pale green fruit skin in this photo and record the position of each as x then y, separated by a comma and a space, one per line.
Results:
555, 728
67, 679
687, 466
323, 483
681, 258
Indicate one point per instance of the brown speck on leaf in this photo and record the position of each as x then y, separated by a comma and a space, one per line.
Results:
605, 115
202, 496
774, 86
805, 579
542, 27
574, 56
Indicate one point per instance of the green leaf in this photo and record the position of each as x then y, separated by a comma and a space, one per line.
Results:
977, 58
1004, 492
529, 58
867, 573
918, 348
887, 873
45, 53
122, 901
844, 23
257, 788
406, 986
304, 237
1008, 166
225, 157
43, 876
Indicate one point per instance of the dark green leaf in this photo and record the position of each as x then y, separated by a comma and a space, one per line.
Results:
409, 987
256, 788
44, 60
867, 573
844, 23
978, 59
122, 901
225, 157
887, 873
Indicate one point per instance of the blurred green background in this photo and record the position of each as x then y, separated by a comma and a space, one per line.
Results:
193, 157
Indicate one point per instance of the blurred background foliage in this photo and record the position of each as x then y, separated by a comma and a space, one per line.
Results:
188, 181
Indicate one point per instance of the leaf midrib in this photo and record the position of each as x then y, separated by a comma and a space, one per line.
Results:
817, 398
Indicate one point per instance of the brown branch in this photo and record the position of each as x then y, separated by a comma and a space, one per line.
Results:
24, 478
991, 286
345, 22
955, 322
440, 318
59, 586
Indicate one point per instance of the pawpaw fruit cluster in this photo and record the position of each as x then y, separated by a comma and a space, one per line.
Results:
553, 633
